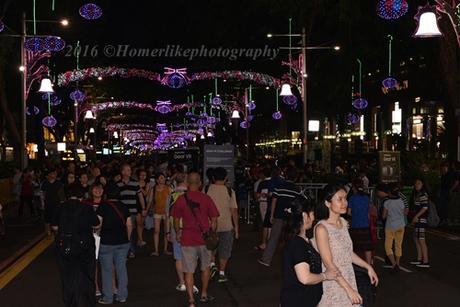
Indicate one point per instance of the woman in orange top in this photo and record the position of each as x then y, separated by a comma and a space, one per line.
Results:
162, 192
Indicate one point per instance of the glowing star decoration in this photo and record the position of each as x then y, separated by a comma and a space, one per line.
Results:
175, 78
290, 100
360, 103
49, 121
352, 118
2, 26
392, 9
77, 95
390, 83
245, 124
277, 115
90, 11
35, 110
216, 101
34, 44
163, 107
54, 43
251, 106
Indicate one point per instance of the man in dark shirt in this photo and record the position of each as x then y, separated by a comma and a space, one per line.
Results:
282, 196
73, 223
53, 191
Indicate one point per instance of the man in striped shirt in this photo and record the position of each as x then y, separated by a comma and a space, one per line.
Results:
131, 196
282, 196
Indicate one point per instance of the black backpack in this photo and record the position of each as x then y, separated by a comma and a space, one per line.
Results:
70, 245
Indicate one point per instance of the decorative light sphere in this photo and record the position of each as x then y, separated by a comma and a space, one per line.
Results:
290, 100
211, 120
34, 44
352, 118
216, 100
35, 110
163, 107
390, 82
49, 121
250, 118
245, 124
277, 115
189, 114
176, 80
77, 95
202, 121
90, 11
54, 43
392, 9
360, 103
55, 100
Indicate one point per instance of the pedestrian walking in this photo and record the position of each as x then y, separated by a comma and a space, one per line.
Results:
336, 249
199, 215
420, 199
161, 195
53, 193
302, 270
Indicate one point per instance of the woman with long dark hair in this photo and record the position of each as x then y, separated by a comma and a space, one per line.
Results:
420, 199
336, 249
302, 271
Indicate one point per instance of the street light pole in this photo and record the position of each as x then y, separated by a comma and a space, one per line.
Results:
304, 98
22, 149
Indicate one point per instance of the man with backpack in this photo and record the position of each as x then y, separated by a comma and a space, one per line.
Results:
75, 249
227, 223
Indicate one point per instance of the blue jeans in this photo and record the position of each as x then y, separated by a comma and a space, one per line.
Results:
110, 255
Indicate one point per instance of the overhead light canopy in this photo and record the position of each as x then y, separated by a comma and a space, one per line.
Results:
427, 22
235, 114
286, 90
89, 115
46, 86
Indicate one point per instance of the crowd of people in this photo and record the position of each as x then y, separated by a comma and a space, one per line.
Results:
98, 215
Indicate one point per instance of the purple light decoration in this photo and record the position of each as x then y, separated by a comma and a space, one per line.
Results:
250, 118
77, 95
360, 103
290, 100
202, 121
34, 44
245, 124
352, 118
212, 120
200, 131
55, 100
162, 127
277, 115
45, 96
2, 26
49, 121
176, 80
390, 82
189, 114
163, 107
252, 105
35, 110
392, 9
90, 11
54, 43
216, 100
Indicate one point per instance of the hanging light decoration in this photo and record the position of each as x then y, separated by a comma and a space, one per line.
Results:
290, 100
163, 107
389, 82
34, 44
286, 90
277, 115
35, 110
216, 100
392, 9
250, 118
90, 11
360, 103
251, 106
235, 114
175, 78
91, 130
54, 43
352, 118
2, 26
77, 95
46, 86
245, 124
427, 20
211, 120
89, 115
55, 100
49, 121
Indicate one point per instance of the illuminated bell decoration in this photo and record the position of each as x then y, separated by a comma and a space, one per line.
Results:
46, 86
390, 83
235, 114
163, 107
251, 105
245, 124
216, 100
210, 134
277, 115
35, 110
49, 121
427, 22
290, 100
286, 90
34, 44
360, 103
54, 43
77, 95
2, 26
392, 9
176, 80
90, 11
89, 115
352, 118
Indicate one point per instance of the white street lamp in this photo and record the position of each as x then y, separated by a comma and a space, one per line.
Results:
46, 86
427, 22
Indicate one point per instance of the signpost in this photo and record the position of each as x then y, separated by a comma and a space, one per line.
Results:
220, 156
389, 166
186, 157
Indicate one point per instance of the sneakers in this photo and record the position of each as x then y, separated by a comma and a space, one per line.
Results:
423, 265
222, 278
98, 293
141, 243
102, 302
182, 288
263, 263
415, 262
213, 271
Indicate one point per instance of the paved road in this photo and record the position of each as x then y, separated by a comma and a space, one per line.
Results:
152, 280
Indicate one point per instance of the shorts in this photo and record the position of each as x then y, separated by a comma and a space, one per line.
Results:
266, 223
419, 233
190, 256
159, 216
177, 250
224, 249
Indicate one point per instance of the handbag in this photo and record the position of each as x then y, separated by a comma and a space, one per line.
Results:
210, 237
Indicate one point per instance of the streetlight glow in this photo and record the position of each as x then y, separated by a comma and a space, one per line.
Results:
64, 22
269, 35
22, 68
336, 48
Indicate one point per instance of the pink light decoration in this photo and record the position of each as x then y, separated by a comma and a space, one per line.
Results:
262, 79
175, 78
163, 107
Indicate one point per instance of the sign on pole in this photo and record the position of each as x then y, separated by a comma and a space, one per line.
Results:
389, 166
186, 157
220, 156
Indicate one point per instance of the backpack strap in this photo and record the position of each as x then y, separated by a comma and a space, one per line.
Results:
114, 207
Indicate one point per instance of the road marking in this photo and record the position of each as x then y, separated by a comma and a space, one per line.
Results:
17, 267
402, 268
443, 234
